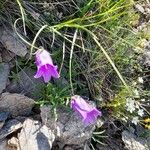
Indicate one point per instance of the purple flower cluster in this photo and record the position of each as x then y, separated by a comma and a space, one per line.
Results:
47, 69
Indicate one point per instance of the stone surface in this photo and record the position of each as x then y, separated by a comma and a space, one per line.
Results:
16, 104
86, 147
7, 56
13, 144
132, 142
67, 126
0, 57
4, 72
10, 127
11, 42
3, 117
27, 84
34, 136
3, 145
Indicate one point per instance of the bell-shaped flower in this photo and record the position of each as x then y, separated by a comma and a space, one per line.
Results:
45, 66
88, 112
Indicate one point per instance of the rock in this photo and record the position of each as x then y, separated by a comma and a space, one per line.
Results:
4, 72
13, 144
0, 57
34, 136
16, 104
86, 147
3, 145
132, 142
7, 56
27, 84
12, 43
72, 148
10, 127
3, 117
67, 126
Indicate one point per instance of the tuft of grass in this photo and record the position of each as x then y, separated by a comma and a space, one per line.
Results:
54, 95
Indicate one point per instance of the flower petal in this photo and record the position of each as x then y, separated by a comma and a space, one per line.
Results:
46, 73
80, 102
53, 71
38, 73
43, 57
88, 112
47, 77
91, 117
45, 65
80, 111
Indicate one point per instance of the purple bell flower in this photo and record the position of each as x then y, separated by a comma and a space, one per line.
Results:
45, 66
88, 112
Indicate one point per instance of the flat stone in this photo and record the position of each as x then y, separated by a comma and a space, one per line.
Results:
34, 136
16, 104
67, 126
11, 42
4, 72
10, 127
27, 84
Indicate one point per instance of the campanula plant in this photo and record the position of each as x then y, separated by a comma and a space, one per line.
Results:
88, 112
45, 66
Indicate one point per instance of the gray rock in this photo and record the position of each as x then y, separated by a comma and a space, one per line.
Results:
86, 147
34, 136
13, 144
67, 126
3, 145
10, 127
4, 72
132, 142
16, 104
11, 42
7, 56
27, 84
0, 57
3, 117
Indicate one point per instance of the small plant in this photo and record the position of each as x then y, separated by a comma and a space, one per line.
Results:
55, 96
98, 137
